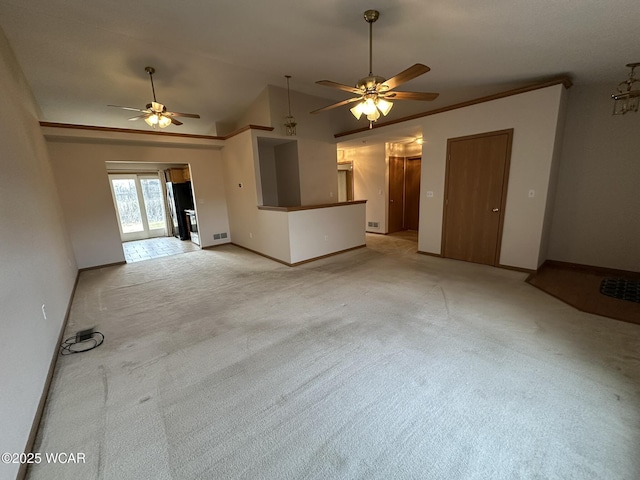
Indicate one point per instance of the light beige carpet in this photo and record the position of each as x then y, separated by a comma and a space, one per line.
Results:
375, 364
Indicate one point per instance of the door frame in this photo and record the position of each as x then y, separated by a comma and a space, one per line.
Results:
505, 187
146, 233
406, 161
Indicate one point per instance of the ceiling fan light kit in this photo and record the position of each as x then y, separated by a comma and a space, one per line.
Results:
627, 99
155, 114
374, 92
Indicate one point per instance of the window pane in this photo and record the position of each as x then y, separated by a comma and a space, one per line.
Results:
153, 202
128, 207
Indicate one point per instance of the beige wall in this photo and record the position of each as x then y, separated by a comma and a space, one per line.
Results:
321, 231
597, 208
288, 236
37, 265
317, 155
534, 117
81, 176
370, 182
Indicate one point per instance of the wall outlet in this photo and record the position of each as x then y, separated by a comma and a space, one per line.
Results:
326, 238
44, 312
223, 235
240, 185
429, 194
331, 194
216, 236
532, 193
250, 235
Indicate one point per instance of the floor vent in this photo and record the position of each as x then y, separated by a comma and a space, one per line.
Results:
216, 236
373, 224
223, 235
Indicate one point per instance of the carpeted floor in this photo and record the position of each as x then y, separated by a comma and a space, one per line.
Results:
375, 364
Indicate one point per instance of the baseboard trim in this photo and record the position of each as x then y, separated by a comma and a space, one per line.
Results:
505, 267
35, 426
516, 269
211, 247
303, 261
328, 255
430, 254
102, 266
600, 270
262, 254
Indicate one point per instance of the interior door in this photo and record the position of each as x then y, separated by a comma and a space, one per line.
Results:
139, 202
476, 185
396, 194
412, 193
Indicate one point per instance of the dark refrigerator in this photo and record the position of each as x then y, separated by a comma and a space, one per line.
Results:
179, 198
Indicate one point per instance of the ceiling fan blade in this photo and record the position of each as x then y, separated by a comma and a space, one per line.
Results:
406, 75
340, 86
130, 108
178, 114
426, 96
175, 122
335, 105
138, 117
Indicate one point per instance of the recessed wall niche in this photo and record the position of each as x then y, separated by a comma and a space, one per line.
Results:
279, 172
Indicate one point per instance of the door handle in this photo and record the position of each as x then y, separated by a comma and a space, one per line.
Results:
390, 201
495, 210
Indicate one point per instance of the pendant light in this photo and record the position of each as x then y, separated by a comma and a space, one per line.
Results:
628, 96
290, 122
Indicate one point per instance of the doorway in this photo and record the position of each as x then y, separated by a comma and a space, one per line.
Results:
476, 181
404, 193
140, 205
345, 182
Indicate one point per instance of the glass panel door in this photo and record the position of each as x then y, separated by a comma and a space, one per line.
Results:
139, 202
153, 199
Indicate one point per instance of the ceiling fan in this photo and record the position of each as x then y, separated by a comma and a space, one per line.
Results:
156, 114
374, 92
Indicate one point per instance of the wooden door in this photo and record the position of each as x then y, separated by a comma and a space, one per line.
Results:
412, 193
396, 194
475, 195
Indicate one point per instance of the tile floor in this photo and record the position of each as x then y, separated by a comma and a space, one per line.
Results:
138, 250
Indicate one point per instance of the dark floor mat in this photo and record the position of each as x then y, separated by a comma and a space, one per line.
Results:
622, 288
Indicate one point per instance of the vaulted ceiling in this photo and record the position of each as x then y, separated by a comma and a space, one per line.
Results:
214, 57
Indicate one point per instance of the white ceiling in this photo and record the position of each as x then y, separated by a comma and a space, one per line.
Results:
215, 57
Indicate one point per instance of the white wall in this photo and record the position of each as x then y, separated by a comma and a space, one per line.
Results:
259, 230
317, 155
37, 266
81, 177
534, 117
322, 231
258, 112
370, 182
597, 206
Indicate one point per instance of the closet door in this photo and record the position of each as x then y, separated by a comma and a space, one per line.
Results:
475, 195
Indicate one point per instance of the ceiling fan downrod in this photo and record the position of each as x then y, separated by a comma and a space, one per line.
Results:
371, 16
151, 71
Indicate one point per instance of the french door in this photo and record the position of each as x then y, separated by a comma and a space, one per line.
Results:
140, 205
